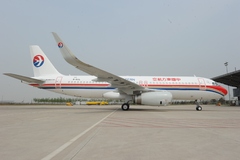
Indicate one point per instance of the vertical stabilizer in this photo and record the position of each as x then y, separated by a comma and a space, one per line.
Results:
41, 64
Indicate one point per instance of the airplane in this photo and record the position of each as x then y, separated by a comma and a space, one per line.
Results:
143, 90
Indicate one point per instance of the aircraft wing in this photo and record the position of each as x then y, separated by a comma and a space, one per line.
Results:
115, 81
24, 78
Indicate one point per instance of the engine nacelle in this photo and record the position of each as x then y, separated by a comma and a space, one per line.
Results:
154, 98
114, 95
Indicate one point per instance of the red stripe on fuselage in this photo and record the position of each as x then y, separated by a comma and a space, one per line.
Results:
216, 88
64, 85
219, 89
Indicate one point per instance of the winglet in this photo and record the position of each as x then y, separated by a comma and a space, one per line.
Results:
66, 52
70, 57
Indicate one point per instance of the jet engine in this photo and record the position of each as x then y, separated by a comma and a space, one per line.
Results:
154, 98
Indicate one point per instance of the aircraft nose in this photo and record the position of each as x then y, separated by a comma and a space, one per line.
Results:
224, 91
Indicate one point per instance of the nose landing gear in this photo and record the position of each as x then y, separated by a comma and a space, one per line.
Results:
198, 107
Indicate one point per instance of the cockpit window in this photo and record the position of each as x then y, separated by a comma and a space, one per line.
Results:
215, 84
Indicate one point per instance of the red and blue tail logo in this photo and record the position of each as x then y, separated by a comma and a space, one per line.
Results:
60, 45
38, 60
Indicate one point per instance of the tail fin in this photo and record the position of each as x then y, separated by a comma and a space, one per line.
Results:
41, 64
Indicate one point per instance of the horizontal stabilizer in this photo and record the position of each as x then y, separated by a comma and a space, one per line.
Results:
24, 78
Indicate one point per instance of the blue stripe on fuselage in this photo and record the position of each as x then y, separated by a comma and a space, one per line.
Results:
167, 89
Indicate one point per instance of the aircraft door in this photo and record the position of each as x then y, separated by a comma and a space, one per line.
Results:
143, 83
58, 82
202, 84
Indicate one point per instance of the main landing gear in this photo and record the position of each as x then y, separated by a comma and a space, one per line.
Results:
125, 106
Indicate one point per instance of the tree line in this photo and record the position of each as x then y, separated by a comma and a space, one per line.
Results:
56, 100
62, 100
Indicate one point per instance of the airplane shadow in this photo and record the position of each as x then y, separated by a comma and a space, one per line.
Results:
97, 109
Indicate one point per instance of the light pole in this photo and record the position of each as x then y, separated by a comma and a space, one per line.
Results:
226, 64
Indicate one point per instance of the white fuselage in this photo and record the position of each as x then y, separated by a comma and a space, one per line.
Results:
181, 88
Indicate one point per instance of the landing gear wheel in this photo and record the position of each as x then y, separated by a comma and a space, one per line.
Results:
125, 106
198, 108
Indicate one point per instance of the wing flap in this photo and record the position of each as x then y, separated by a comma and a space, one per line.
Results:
24, 78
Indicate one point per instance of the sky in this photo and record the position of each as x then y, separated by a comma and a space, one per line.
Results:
137, 37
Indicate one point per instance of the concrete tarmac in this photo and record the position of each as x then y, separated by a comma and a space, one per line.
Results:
32, 132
